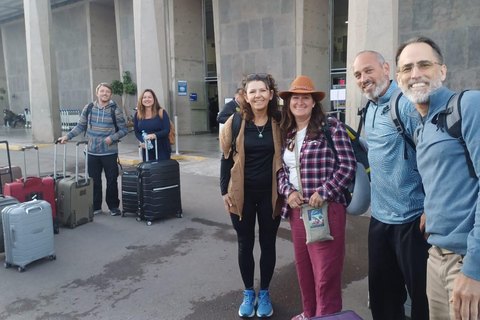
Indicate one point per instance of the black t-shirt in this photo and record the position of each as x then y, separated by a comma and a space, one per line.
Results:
258, 156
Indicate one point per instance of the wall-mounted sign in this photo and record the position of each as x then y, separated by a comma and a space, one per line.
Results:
182, 88
193, 97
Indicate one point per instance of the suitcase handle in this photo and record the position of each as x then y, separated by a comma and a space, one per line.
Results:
9, 165
55, 160
12, 235
156, 150
25, 161
76, 163
32, 208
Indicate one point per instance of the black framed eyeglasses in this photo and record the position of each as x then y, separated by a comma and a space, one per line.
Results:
421, 65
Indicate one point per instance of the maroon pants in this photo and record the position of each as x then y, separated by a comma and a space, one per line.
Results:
319, 265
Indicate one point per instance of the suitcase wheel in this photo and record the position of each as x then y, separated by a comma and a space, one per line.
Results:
7, 265
52, 257
124, 214
21, 269
149, 223
138, 219
180, 214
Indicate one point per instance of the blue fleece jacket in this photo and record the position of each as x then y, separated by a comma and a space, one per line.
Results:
397, 195
452, 196
99, 126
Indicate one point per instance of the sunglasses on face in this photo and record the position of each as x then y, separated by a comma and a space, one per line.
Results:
421, 66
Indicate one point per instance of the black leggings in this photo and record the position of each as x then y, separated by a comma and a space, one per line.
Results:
257, 204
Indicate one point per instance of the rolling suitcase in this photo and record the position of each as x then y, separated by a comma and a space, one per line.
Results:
28, 233
158, 189
130, 190
34, 188
344, 315
74, 195
5, 201
8, 173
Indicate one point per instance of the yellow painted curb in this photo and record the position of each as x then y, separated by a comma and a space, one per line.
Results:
14, 147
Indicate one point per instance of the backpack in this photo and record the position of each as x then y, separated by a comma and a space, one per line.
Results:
394, 117
113, 108
171, 135
451, 120
357, 194
236, 125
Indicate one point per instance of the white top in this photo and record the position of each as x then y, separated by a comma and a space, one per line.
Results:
289, 158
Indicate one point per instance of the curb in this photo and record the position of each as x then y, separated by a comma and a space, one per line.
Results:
15, 147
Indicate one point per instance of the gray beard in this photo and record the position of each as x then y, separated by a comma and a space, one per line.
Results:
378, 90
424, 95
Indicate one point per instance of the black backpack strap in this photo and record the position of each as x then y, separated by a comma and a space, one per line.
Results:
453, 125
236, 125
397, 121
113, 108
87, 115
362, 113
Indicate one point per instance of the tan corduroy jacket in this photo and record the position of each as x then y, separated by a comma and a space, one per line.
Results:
236, 184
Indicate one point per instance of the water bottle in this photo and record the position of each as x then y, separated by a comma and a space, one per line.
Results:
148, 143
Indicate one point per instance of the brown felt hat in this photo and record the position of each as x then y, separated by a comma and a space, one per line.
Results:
303, 84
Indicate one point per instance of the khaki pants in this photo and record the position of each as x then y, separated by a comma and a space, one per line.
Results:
442, 269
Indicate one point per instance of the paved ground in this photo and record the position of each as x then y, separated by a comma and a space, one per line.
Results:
118, 268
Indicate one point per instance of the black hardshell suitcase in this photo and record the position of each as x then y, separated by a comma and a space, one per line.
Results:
159, 189
5, 201
130, 190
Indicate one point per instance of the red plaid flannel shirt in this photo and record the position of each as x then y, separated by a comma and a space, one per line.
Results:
320, 170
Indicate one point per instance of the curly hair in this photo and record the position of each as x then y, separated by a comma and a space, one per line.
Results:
272, 109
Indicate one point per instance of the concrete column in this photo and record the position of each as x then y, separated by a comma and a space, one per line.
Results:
3, 83
102, 38
372, 25
42, 71
126, 48
150, 28
312, 43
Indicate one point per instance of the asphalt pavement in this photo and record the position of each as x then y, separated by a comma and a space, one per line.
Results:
177, 268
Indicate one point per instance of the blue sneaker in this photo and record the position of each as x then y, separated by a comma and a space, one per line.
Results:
265, 308
247, 309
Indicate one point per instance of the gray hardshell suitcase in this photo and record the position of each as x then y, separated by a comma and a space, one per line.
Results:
74, 195
5, 201
28, 233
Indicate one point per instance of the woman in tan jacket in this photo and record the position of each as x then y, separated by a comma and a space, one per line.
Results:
250, 141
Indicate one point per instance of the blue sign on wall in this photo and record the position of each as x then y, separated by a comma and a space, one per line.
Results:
193, 97
182, 88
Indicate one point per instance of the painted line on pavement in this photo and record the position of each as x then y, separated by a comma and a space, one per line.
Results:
16, 147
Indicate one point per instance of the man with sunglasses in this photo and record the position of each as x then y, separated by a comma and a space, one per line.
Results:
452, 203
397, 250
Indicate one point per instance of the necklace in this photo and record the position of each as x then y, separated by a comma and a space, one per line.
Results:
260, 135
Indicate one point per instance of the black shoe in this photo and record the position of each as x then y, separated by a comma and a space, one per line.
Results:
115, 212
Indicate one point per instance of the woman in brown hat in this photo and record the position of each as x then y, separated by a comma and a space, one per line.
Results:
324, 175
250, 141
